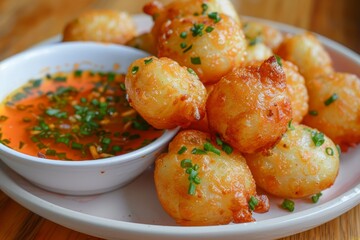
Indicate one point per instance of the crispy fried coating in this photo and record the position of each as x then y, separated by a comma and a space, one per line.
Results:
334, 107
101, 26
212, 46
224, 188
308, 53
249, 107
165, 94
296, 167
143, 42
256, 32
257, 52
181, 8
297, 91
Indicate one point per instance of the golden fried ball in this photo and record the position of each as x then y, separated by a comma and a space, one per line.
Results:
101, 26
212, 46
334, 107
249, 107
143, 42
257, 52
308, 53
256, 32
215, 191
181, 8
165, 94
303, 163
297, 92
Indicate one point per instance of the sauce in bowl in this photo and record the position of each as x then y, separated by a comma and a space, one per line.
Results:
80, 115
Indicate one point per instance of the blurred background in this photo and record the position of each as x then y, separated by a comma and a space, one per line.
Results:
24, 23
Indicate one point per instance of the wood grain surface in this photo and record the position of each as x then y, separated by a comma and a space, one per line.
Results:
24, 23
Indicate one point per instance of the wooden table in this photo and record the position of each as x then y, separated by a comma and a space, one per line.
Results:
24, 23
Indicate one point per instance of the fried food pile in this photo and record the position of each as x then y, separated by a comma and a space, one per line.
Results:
257, 108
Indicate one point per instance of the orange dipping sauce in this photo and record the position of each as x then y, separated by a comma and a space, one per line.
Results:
81, 115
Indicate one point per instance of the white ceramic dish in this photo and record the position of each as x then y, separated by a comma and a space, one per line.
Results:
133, 212
75, 177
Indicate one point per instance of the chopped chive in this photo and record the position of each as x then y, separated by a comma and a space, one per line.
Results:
198, 151
135, 69
186, 163
60, 79
290, 126
196, 29
315, 198
338, 149
36, 83
331, 99
50, 152
278, 60
122, 86
288, 205
75, 145
116, 148
182, 150
147, 61
187, 49
218, 141
318, 138
195, 60
183, 35
253, 202
215, 16
313, 113
204, 7
78, 73
227, 148
183, 45
329, 151
111, 76
209, 29
210, 148
191, 71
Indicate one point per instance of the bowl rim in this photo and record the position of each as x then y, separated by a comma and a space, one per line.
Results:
56, 48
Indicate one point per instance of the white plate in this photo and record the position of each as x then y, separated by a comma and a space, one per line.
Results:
133, 212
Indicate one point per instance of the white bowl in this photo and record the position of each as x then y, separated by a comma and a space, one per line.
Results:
75, 177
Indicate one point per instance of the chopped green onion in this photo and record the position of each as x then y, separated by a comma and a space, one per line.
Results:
191, 71
78, 73
196, 60
290, 126
183, 45
182, 150
209, 29
3, 118
204, 7
227, 148
210, 148
198, 151
329, 151
122, 86
215, 16
315, 198
60, 79
135, 69
331, 99
147, 61
183, 35
253, 202
278, 60
318, 138
187, 49
196, 29
313, 113
288, 205
338, 149
75, 145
